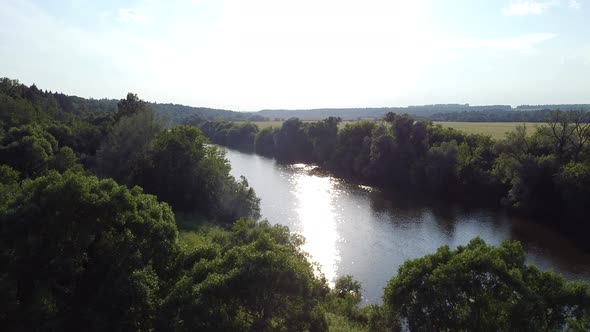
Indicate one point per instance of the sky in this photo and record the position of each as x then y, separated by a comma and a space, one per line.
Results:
248, 55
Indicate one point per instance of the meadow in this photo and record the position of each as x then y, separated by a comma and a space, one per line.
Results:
497, 130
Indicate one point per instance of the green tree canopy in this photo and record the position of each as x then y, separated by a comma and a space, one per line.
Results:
81, 253
125, 153
255, 279
479, 288
130, 106
192, 176
29, 149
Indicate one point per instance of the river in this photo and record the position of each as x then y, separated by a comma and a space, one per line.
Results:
356, 230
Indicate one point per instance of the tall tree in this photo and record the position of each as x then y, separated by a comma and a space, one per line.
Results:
83, 254
478, 287
130, 106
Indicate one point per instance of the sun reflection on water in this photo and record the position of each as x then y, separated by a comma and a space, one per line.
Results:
315, 207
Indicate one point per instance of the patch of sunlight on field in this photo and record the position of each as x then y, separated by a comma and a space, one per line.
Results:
497, 130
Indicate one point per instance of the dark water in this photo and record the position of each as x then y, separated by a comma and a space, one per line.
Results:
358, 230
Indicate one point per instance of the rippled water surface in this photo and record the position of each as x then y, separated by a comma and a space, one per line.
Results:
357, 230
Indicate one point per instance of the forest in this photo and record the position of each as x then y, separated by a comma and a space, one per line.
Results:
112, 219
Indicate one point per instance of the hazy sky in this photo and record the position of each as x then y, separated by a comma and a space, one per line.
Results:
254, 54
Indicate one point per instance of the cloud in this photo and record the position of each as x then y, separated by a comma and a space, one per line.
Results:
524, 43
523, 8
574, 4
128, 15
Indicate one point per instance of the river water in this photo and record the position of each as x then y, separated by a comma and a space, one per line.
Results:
357, 230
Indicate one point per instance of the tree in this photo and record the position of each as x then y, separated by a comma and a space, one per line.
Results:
265, 142
569, 132
291, 143
323, 136
65, 159
125, 152
130, 106
82, 253
255, 279
479, 287
389, 117
440, 169
573, 182
353, 150
581, 133
29, 149
186, 173
194, 177
344, 299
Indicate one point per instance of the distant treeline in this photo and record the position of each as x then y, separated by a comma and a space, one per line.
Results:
374, 112
546, 174
102, 227
437, 112
498, 115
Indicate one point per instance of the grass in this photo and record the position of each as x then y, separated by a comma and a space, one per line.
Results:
339, 323
196, 231
497, 130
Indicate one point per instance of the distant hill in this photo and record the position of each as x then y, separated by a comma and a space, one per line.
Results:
181, 114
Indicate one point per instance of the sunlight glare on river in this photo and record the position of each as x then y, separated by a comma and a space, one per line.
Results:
318, 220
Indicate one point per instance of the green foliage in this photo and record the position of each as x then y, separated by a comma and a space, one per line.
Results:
573, 182
254, 278
194, 177
238, 135
344, 300
125, 153
291, 141
478, 287
339, 323
475, 160
130, 106
353, 150
440, 170
8, 175
323, 136
65, 159
9, 182
82, 252
265, 142
33, 151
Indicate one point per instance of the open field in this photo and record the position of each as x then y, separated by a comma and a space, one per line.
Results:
495, 129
